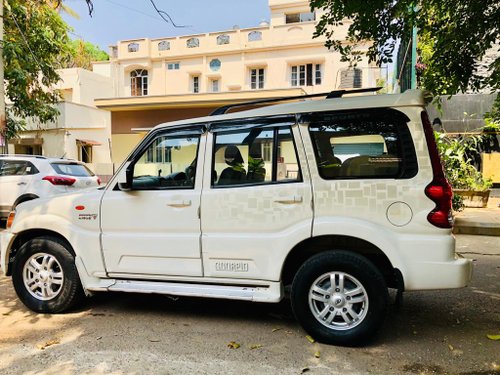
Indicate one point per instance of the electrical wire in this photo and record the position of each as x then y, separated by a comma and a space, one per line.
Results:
166, 17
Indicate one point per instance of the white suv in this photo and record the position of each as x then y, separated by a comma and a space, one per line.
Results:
26, 177
340, 199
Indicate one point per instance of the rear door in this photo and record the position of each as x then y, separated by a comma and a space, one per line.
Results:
256, 202
15, 177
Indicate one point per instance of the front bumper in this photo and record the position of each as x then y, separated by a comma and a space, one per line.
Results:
6, 238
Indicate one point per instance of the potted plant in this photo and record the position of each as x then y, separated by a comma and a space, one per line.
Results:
470, 187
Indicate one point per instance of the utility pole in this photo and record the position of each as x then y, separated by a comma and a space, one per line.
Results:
3, 141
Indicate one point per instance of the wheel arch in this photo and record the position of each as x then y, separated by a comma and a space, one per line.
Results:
26, 235
24, 198
315, 245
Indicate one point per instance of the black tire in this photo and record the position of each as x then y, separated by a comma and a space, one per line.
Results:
63, 283
355, 270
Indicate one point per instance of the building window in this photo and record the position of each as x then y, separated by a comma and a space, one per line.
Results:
163, 45
85, 153
215, 65
254, 36
173, 66
139, 82
300, 17
317, 74
193, 43
223, 39
306, 75
133, 47
214, 85
257, 78
195, 84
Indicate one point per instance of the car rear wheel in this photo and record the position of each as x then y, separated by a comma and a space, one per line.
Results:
339, 298
45, 276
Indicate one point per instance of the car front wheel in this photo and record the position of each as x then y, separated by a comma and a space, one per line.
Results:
45, 276
339, 298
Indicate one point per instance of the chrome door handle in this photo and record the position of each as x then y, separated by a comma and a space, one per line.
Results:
21, 183
179, 203
289, 200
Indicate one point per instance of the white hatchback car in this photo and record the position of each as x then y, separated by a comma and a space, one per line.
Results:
27, 177
337, 199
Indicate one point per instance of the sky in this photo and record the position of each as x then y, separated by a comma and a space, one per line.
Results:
115, 20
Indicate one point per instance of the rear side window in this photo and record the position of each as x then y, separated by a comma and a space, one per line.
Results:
362, 144
17, 168
72, 169
254, 155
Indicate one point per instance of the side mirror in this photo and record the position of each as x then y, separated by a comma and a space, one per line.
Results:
125, 177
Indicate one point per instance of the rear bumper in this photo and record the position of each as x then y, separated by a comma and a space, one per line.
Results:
456, 273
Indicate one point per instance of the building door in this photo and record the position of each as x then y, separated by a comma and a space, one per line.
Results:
153, 230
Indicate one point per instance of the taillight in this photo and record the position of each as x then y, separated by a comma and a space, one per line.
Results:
59, 180
98, 180
439, 190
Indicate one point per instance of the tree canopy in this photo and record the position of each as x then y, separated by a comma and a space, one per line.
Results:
34, 41
82, 54
456, 34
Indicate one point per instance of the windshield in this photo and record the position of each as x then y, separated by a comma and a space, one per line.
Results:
72, 169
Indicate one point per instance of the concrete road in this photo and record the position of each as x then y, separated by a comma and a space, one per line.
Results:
441, 332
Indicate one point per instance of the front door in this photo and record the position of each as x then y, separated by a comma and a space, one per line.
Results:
153, 230
256, 201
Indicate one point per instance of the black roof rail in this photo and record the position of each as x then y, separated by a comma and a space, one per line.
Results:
328, 95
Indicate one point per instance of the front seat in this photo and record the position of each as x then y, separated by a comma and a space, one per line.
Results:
235, 173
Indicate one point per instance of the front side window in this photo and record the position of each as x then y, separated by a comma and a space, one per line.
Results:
363, 144
257, 78
306, 75
168, 162
259, 155
139, 82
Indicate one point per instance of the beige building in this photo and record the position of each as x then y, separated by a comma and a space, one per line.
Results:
81, 131
171, 78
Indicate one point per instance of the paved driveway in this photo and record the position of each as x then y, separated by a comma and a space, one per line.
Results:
442, 332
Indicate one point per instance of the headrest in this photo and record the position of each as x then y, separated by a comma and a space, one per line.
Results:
233, 155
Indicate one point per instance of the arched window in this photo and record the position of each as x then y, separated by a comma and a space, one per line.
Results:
133, 47
163, 45
193, 43
254, 36
223, 39
139, 82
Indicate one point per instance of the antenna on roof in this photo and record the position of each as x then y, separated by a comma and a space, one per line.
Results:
328, 95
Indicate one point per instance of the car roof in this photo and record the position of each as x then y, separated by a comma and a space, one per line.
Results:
39, 157
406, 99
